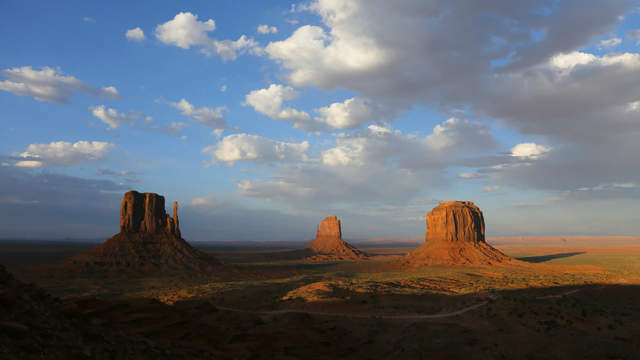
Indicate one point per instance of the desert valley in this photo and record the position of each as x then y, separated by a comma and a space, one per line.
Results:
147, 293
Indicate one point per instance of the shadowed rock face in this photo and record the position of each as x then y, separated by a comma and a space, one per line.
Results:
455, 236
328, 244
144, 213
149, 242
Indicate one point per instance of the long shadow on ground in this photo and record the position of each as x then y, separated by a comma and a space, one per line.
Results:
545, 258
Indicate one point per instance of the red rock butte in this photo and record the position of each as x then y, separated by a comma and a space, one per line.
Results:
455, 236
149, 242
328, 244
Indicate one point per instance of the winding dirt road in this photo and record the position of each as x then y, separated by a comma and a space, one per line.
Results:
361, 316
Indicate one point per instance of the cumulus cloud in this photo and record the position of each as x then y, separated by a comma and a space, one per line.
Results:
61, 153
205, 116
135, 34
353, 113
111, 116
49, 85
377, 165
529, 150
269, 102
256, 148
350, 114
267, 29
186, 31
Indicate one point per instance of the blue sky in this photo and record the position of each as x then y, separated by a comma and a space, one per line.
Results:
365, 110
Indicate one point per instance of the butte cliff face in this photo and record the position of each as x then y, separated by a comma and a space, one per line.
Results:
455, 236
149, 242
328, 244
144, 213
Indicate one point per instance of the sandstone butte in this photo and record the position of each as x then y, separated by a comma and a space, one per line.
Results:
149, 242
328, 244
455, 236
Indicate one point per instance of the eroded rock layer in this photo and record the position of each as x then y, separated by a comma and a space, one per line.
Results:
149, 242
328, 244
455, 236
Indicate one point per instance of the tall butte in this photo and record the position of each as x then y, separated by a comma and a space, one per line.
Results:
149, 242
455, 236
328, 244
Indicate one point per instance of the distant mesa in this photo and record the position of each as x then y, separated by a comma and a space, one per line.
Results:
328, 244
455, 236
149, 242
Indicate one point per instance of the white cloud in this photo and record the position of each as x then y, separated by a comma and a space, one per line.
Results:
61, 153
269, 102
266, 29
350, 114
256, 148
186, 31
610, 186
135, 34
111, 116
610, 43
29, 163
218, 132
467, 175
50, 85
205, 116
377, 144
529, 151
229, 49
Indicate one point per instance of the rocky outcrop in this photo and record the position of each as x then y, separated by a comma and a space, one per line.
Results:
149, 242
145, 213
328, 244
455, 236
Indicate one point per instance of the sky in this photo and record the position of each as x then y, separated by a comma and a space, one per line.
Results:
263, 117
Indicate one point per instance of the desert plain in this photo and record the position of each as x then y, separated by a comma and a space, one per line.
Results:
564, 297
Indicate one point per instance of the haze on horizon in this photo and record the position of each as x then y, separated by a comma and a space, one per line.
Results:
262, 119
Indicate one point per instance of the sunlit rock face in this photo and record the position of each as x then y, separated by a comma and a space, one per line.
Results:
328, 244
455, 236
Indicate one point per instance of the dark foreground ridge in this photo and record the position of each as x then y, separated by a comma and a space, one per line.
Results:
149, 242
328, 244
35, 325
455, 236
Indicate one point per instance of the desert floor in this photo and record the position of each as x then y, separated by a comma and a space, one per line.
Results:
560, 301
